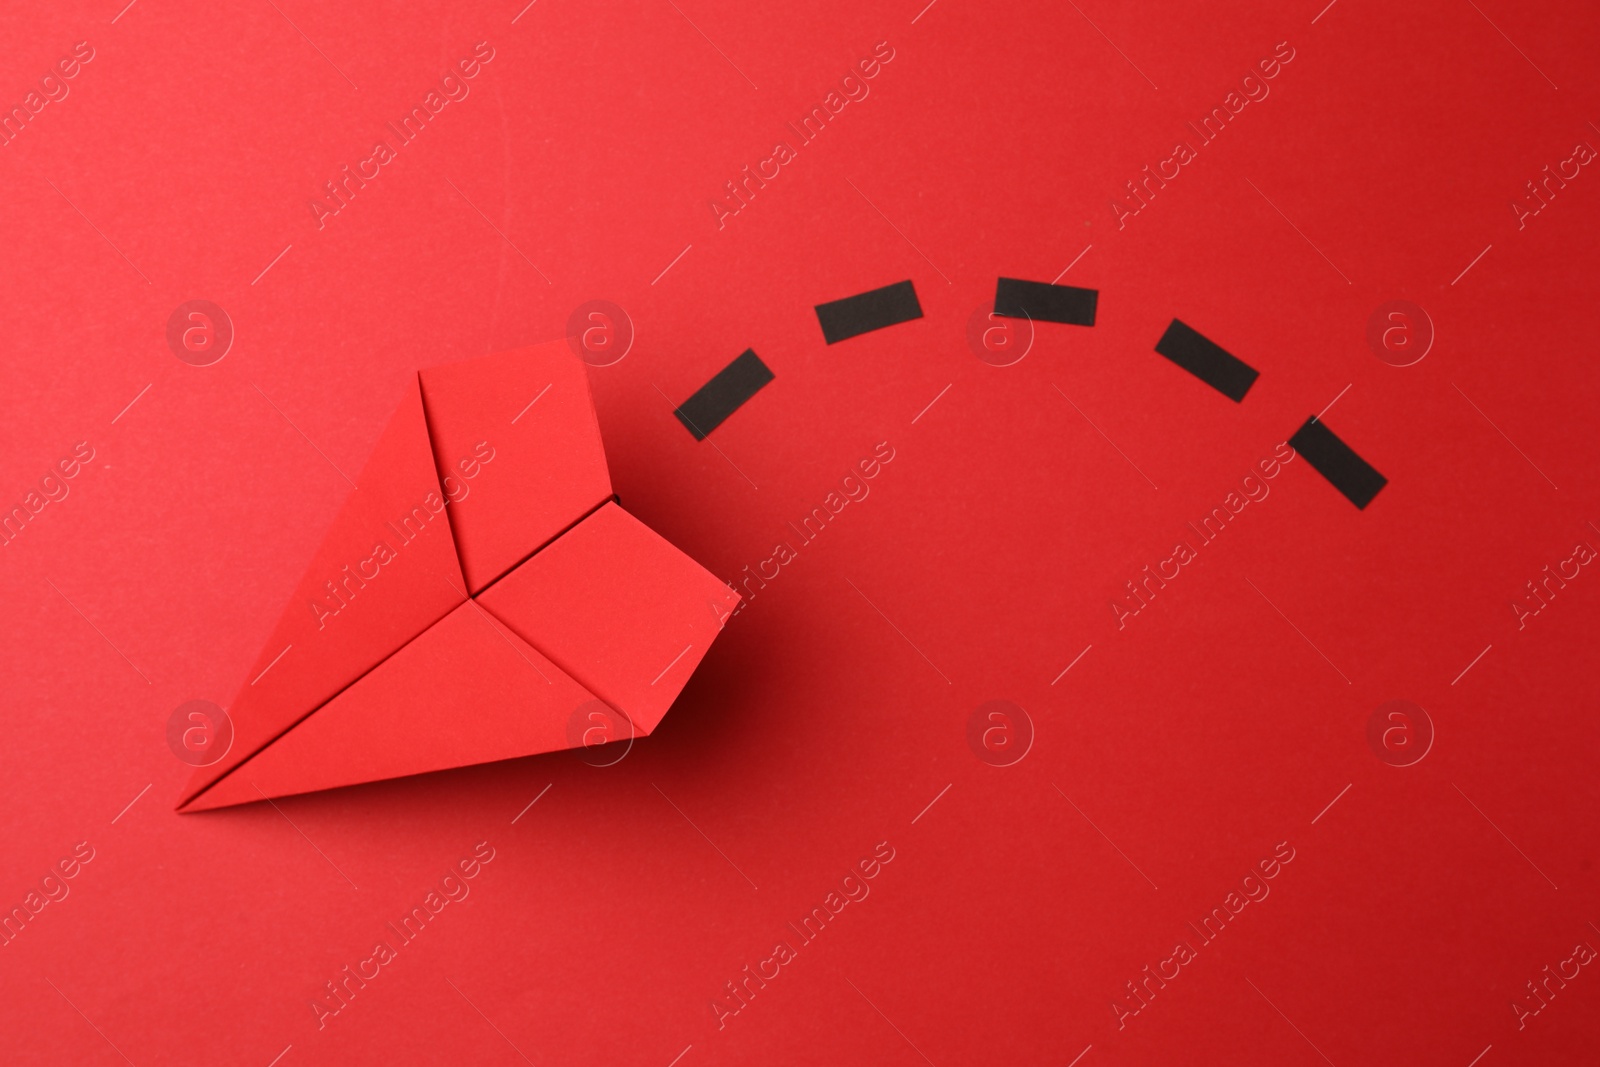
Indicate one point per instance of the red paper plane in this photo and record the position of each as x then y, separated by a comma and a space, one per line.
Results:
479, 587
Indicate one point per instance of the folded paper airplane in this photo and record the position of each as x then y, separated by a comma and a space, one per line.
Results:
480, 588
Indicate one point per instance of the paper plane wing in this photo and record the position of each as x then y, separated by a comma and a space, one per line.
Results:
619, 608
384, 573
519, 453
467, 690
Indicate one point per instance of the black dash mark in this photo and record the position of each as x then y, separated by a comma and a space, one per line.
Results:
724, 394
1044, 302
864, 312
1212, 364
1333, 459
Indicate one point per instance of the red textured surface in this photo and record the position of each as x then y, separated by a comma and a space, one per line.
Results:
977, 564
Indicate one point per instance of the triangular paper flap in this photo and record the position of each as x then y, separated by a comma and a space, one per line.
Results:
384, 573
468, 690
618, 608
519, 452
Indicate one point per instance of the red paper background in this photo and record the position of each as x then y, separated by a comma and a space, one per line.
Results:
1196, 739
